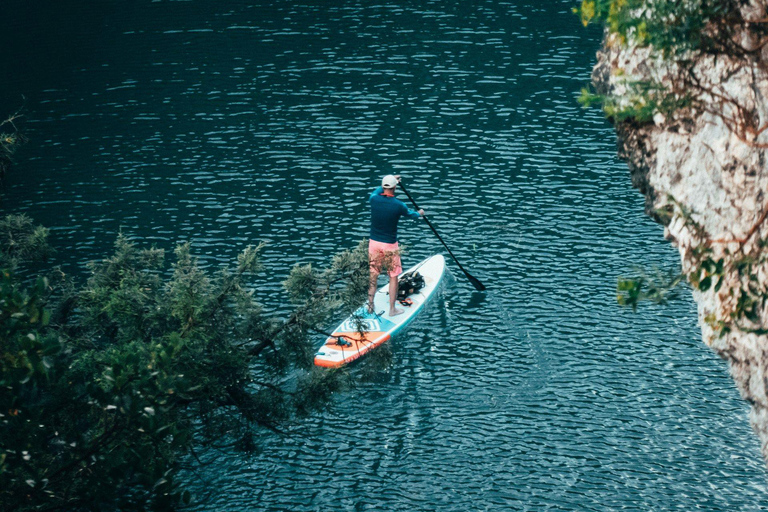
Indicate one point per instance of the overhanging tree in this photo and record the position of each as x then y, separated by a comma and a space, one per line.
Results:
107, 387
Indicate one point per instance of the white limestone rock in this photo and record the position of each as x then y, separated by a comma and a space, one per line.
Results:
711, 162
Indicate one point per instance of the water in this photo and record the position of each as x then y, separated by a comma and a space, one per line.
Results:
229, 123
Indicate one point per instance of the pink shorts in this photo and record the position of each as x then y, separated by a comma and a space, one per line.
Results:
386, 256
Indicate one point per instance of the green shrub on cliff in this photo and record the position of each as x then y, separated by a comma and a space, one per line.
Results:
107, 388
671, 27
678, 32
641, 102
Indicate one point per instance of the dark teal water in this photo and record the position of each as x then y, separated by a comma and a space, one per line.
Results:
229, 123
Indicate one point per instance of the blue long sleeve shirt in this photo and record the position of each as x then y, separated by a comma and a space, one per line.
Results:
385, 214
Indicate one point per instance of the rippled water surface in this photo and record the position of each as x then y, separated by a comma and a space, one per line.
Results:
231, 122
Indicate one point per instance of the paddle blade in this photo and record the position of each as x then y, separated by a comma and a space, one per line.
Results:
477, 284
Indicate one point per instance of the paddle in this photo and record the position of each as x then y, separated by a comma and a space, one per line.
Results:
477, 284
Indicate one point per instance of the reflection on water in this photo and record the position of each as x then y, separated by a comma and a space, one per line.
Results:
227, 123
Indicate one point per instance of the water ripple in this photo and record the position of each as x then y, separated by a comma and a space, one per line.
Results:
274, 120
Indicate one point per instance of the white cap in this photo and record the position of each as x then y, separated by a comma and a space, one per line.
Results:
389, 181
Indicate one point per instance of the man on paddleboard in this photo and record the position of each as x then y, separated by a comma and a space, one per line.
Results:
383, 250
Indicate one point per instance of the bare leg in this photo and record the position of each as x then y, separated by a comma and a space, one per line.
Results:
372, 289
393, 297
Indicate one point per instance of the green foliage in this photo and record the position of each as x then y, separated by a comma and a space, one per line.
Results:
708, 274
656, 288
642, 101
678, 31
9, 142
751, 296
21, 241
588, 98
671, 27
100, 407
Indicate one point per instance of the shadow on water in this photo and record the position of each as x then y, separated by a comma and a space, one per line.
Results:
476, 300
375, 366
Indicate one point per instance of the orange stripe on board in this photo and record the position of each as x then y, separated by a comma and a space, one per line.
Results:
352, 346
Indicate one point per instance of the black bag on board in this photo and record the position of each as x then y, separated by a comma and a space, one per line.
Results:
408, 284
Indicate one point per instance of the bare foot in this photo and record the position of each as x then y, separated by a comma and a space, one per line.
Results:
395, 312
370, 307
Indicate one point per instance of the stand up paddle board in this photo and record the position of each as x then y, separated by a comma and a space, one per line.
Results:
346, 343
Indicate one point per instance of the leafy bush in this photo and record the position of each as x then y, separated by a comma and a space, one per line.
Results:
107, 387
679, 33
671, 27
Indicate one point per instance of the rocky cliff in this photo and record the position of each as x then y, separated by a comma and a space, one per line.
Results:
693, 128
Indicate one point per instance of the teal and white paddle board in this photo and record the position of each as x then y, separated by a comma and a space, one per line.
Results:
347, 343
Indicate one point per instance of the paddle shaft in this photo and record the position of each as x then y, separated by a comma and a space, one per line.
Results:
477, 284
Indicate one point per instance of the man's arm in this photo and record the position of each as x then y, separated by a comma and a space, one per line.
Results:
375, 193
407, 212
